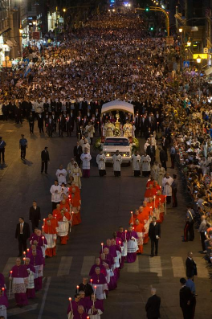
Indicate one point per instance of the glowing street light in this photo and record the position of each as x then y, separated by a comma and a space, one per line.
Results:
199, 60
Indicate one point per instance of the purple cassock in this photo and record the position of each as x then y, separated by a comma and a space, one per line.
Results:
102, 270
82, 316
2, 284
73, 306
37, 261
98, 304
99, 281
19, 284
3, 306
31, 283
41, 241
112, 250
121, 235
132, 246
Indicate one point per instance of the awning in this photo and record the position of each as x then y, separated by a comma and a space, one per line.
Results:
208, 71
5, 30
117, 105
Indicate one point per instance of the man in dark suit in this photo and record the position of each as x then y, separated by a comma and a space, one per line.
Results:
78, 153
191, 267
50, 126
185, 300
163, 158
44, 159
151, 152
154, 235
22, 234
34, 215
153, 306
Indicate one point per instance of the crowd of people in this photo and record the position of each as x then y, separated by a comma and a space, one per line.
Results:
64, 88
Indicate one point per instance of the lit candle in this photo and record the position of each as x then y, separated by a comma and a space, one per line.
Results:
120, 243
43, 240
11, 273
24, 259
70, 299
24, 253
91, 280
102, 244
125, 234
2, 291
154, 201
77, 289
27, 250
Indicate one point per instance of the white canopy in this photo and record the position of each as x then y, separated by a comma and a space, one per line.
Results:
118, 105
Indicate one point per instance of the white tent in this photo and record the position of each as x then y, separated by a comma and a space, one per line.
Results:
118, 106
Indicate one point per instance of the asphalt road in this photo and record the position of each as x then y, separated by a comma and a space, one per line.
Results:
106, 204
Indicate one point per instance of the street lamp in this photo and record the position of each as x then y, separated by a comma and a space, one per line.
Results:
188, 43
64, 10
199, 60
180, 30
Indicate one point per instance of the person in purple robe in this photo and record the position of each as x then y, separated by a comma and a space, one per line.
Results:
123, 235
95, 308
3, 304
37, 261
100, 285
132, 245
3, 285
81, 314
19, 278
40, 241
73, 305
112, 250
31, 276
97, 264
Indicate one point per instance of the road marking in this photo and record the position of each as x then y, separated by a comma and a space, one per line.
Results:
65, 265
133, 267
88, 261
18, 311
202, 271
155, 265
10, 263
45, 291
178, 267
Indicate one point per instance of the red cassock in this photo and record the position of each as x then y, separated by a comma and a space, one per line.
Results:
150, 192
50, 230
65, 206
139, 229
59, 217
150, 182
76, 203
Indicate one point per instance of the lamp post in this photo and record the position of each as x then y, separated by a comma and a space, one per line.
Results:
181, 46
199, 60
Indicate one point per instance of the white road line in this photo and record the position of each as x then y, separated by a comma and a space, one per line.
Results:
45, 291
133, 267
155, 265
88, 261
10, 263
178, 267
202, 271
65, 265
18, 311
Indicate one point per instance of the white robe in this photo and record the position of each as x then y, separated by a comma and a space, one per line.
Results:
167, 189
56, 197
136, 162
145, 163
61, 176
86, 158
100, 160
117, 160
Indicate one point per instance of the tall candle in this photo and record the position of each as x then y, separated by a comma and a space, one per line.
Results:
11, 273
125, 234
102, 244
70, 299
77, 289
2, 291
24, 259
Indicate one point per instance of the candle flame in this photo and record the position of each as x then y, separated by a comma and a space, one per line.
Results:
69, 298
